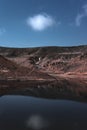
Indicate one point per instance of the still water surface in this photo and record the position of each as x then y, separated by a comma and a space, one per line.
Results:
30, 113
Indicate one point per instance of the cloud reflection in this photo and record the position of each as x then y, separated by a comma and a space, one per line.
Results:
36, 122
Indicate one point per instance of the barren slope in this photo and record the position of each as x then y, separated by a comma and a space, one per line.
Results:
54, 59
11, 70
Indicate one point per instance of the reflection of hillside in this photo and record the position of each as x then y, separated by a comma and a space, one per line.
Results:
48, 92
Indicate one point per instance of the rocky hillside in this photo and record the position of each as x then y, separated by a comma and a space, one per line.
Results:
11, 70
49, 59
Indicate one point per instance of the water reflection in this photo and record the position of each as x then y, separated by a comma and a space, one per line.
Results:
36, 122
30, 113
35, 108
46, 92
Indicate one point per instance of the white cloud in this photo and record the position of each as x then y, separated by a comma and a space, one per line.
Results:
40, 22
36, 122
79, 19
2, 30
85, 9
80, 16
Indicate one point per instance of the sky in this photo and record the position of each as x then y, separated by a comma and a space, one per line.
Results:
33, 23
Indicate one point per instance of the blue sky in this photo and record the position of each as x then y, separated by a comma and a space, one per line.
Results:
31, 23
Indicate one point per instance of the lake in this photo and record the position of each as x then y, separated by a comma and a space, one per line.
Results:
32, 113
